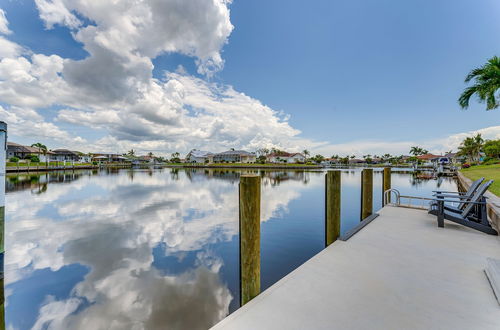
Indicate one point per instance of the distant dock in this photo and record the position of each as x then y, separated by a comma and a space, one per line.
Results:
399, 272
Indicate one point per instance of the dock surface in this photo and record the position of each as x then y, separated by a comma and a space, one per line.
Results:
399, 272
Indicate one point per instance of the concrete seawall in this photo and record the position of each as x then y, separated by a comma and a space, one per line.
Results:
493, 201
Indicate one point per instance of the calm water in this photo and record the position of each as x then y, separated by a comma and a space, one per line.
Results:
157, 249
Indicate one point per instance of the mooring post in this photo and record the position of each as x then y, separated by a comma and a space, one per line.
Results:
386, 184
366, 193
249, 237
332, 206
3, 151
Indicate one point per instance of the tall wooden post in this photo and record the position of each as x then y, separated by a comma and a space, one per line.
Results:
366, 193
386, 184
3, 150
249, 237
332, 206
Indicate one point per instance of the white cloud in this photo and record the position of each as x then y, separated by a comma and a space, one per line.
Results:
4, 23
437, 146
28, 122
55, 12
113, 88
196, 28
9, 48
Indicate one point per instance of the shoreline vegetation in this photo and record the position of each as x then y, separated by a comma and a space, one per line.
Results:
41, 167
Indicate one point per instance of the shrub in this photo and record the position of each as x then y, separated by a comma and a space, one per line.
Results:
35, 159
14, 159
465, 165
94, 162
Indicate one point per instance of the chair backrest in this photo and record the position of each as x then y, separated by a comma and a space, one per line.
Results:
476, 198
470, 192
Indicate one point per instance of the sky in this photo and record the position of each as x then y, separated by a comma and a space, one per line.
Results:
334, 77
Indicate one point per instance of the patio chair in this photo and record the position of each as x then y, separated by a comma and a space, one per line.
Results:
474, 214
457, 198
462, 196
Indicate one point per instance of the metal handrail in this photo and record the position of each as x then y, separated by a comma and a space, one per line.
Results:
397, 194
387, 196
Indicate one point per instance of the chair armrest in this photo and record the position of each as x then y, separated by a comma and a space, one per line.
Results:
452, 196
448, 192
451, 201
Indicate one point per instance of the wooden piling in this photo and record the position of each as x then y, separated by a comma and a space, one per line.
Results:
366, 193
249, 237
332, 206
386, 184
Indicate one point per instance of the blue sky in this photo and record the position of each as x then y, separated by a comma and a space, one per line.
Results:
330, 76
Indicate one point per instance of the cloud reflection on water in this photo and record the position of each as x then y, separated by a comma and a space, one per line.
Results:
112, 223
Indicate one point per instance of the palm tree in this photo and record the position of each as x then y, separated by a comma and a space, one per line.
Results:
486, 84
471, 147
43, 148
417, 151
131, 152
150, 154
306, 153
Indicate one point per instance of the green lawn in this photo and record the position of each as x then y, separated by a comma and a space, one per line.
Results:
489, 172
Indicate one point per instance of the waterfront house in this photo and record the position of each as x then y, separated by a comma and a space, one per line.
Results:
105, 157
234, 156
199, 156
427, 159
357, 161
20, 151
286, 157
65, 155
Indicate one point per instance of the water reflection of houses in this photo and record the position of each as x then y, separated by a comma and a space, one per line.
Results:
37, 183
269, 177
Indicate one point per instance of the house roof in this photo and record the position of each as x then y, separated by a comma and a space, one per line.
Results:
235, 152
65, 152
428, 157
25, 149
199, 153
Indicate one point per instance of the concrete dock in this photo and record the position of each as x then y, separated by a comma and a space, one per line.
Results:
399, 272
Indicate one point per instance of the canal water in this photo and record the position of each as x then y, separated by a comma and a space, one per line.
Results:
158, 249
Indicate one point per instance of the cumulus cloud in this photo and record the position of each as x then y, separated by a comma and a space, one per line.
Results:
4, 23
197, 28
113, 88
437, 146
26, 121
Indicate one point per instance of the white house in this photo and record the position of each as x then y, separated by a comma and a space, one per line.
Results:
199, 156
234, 156
285, 157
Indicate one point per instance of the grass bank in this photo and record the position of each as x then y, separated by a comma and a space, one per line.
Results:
489, 172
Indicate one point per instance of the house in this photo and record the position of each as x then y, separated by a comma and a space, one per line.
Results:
104, 157
234, 156
147, 159
286, 157
65, 155
20, 151
199, 156
427, 159
357, 161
